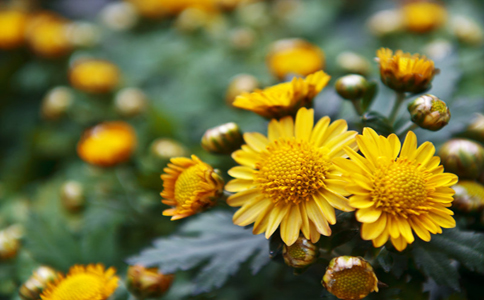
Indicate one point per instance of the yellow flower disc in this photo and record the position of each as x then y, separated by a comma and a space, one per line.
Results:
94, 76
294, 56
395, 194
283, 99
107, 144
423, 17
83, 283
190, 186
12, 33
404, 72
287, 180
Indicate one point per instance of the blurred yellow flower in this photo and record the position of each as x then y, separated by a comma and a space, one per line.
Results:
159, 8
12, 24
94, 76
395, 194
83, 283
296, 57
404, 72
190, 186
288, 181
423, 16
283, 99
107, 144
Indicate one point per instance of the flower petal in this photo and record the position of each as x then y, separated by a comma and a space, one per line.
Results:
275, 218
368, 215
256, 141
337, 201
242, 172
291, 226
304, 123
241, 197
237, 185
249, 212
370, 231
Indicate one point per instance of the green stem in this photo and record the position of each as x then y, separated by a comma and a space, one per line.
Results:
357, 106
406, 128
396, 107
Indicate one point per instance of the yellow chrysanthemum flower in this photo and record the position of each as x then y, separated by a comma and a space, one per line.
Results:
423, 16
190, 186
83, 283
13, 24
160, 8
404, 72
288, 180
395, 194
283, 99
95, 76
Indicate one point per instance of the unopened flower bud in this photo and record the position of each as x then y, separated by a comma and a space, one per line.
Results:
240, 84
476, 129
167, 148
72, 196
467, 30
350, 278
34, 286
223, 139
119, 15
147, 283
242, 38
462, 157
192, 19
56, 102
429, 112
353, 63
469, 196
130, 102
10, 242
351, 87
83, 34
300, 254
385, 22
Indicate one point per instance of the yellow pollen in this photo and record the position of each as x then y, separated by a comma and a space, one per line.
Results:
79, 287
291, 170
400, 189
187, 184
354, 283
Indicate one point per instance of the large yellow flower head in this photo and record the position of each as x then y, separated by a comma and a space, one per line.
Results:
395, 194
288, 179
190, 186
404, 72
422, 17
13, 24
283, 99
83, 283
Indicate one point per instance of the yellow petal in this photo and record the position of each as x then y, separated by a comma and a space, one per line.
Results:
409, 146
395, 145
262, 220
337, 201
405, 230
242, 173
368, 215
245, 158
304, 123
392, 226
400, 243
443, 220
287, 126
315, 235
359, 160
291, 226
370, 231
275, 218
336, 128
317, 218
256, 141
336, 186
249, 212
306, 230
241, 197
358, 201
319, 131
326, 209
419, 229
274, 130
381, 239
237, 185
338, 144
444, 179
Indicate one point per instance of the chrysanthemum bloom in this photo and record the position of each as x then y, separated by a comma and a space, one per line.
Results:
159, 8
107, 144
283, 99
423, 17
395, 194
404, 72
288, 179
94, 76
83, 283
47, 35
190, 186
13, 24
294, 56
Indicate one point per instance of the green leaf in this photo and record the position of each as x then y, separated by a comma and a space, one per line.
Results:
436, 265
210, 240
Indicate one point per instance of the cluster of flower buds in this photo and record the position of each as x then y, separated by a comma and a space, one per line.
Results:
34, 286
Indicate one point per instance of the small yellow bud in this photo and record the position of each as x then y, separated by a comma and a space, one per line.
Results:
242, 83
353, 63
72, 196
10, 242
462, 157
56, 102
350, 278
95, 76
34, 286
130, 102
119, 16
300, 254
223, 139
167, 148
351, 87
429, 112
467, 30
385, 22
469, 196
147, 283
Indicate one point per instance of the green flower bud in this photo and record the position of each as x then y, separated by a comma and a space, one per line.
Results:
56, 103
353, 63
34, 286
300, 254
223, 139
130, 102
462, 157
351, 87
10, 242
165, 149
429, 112
147, 283
350, 278
476, 129
72, 196
469, 196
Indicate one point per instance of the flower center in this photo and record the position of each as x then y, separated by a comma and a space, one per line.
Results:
291, 170
400, 189
80, 287
187, 185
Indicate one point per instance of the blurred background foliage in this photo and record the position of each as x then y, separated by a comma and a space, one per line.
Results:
184, 70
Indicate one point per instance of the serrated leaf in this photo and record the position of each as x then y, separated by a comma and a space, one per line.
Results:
211, 240
436, 265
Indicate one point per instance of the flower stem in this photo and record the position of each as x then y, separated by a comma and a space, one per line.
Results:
357, 106
406, 128
396, 107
